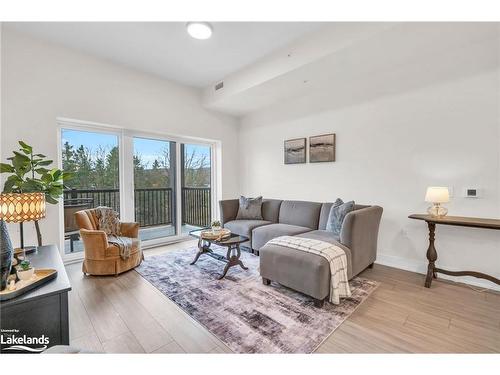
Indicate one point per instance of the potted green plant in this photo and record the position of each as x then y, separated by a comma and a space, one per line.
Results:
216, 227
25, 271
30, 173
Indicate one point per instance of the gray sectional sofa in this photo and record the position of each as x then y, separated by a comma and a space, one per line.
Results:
307, 273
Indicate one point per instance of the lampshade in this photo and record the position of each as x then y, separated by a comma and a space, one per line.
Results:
437, 194
20, 207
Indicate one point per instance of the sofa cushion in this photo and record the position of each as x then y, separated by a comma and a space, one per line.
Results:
330, 237
300, 213
250, 209
271, 209
337, 214
261, 235
325, 212
322, 235
245, 227
323, 215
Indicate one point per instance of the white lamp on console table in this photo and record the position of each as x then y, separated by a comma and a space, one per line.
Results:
437, 195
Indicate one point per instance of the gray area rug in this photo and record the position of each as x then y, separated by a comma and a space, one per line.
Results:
246, 315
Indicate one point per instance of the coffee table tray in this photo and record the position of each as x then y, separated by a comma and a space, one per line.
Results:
209, 235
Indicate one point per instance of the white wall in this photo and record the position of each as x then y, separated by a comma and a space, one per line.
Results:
390, 147
42, 81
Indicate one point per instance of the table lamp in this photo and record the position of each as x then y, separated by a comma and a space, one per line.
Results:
21, 207
437, 195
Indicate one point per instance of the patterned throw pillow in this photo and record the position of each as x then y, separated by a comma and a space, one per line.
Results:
109, 220
250, 209
337, 215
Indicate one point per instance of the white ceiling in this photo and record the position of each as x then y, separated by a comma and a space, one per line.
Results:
165, 48
360, 66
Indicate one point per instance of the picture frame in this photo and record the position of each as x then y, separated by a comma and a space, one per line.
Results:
294, 151
322, 148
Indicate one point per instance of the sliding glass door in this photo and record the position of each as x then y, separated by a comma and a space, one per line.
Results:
154, 188
196, 186
93, 158
165, 184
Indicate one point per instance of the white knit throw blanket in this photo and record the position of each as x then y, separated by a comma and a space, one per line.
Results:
335, 255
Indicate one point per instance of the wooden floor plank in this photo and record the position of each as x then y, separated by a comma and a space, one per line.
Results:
171, 348
106, 321
80, 322
189, 334
221, 350
125, 343
139, 321
353, 337
89, 343
428, 320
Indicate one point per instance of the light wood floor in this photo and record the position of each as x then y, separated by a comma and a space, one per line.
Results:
127, 314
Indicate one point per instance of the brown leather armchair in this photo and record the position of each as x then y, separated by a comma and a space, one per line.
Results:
101, 257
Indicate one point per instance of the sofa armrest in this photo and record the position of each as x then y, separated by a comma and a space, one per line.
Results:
95, 243
360, 234
129, 229
228, 210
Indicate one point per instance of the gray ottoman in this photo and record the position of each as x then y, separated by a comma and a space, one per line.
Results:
299, 270
305, 272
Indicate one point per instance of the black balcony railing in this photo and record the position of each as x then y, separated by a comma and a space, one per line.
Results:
196, 208
100, 197
154, 206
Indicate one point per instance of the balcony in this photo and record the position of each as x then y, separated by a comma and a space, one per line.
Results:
154, 210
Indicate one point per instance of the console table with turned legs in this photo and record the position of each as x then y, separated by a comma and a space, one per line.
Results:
472, 222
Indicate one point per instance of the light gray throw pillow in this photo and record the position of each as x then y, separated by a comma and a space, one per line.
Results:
250, 209
337, 214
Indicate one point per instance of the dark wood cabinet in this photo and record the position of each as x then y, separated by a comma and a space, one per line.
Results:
42, 312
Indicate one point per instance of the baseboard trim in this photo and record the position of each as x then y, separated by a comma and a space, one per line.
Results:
421, 267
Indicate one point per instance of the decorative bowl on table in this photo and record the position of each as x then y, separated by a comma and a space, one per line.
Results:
26, 274
209, 234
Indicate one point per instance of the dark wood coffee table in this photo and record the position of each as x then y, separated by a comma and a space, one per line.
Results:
232, 243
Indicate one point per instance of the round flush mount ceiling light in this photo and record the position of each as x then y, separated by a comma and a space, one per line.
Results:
199, 30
